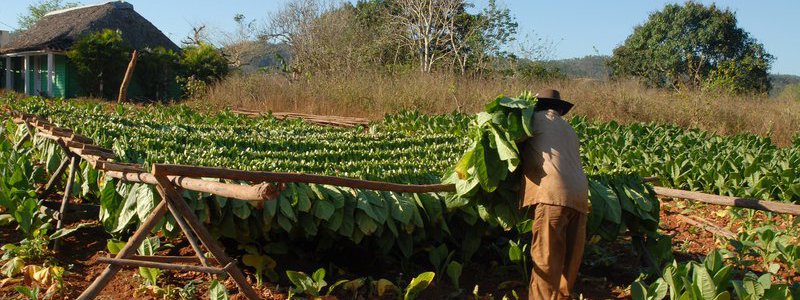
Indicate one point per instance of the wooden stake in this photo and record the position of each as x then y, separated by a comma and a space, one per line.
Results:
123, 89
67, 192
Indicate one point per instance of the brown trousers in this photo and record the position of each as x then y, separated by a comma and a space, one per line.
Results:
559, 234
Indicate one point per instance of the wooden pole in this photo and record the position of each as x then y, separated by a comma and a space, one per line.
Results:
159, 265
772, 206
123, 89
259, 192
194, 171
171, 259
710, 227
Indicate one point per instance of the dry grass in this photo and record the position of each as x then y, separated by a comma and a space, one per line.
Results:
372, 95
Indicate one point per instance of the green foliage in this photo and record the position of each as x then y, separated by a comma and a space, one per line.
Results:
100, 59
710, 280
203, 62
418, 284
308, 285
217, 291
534, 70
492, 158
156, 72
694, 45
149, 248
40, 8
264, 266
28, 293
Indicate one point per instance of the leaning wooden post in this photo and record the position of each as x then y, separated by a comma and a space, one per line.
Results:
67, 192
133, 244
123, 89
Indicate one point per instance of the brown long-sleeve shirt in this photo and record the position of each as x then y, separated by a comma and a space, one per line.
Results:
552, 164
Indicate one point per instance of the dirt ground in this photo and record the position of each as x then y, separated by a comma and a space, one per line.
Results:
81, 249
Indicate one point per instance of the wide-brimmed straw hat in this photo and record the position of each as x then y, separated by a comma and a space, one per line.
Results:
553, 97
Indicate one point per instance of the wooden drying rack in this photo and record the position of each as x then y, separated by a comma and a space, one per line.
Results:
168, 179
265, 186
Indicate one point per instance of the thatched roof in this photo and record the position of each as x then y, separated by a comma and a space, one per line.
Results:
59, 30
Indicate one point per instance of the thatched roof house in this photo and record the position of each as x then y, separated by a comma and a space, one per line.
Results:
34, 60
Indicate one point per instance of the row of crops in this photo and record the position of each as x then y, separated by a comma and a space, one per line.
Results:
740, 165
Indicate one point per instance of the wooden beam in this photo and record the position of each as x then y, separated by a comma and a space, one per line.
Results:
172, 259
184, 227
194, 171
772, 206
93, 152
104, 165
708, 226
159, 265
259, 192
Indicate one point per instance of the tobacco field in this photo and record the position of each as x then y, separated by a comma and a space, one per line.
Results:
431, 234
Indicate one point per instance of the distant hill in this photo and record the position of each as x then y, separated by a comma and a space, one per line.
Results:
592, 66
780, 81
254, 56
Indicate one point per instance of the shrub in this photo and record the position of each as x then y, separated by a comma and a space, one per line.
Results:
156, 72
100, 59
204, 62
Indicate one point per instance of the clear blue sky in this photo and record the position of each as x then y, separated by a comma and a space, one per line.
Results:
578, 28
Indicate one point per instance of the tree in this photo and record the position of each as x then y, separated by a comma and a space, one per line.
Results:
198, 36
429, 28
201, 65
100, 59
494, 29
693, 45
292, 25
240, 42
37, 10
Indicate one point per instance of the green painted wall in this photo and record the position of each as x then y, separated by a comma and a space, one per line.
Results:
19, 81
60, 89
42, 73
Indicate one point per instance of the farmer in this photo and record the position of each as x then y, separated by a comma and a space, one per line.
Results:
557, 189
